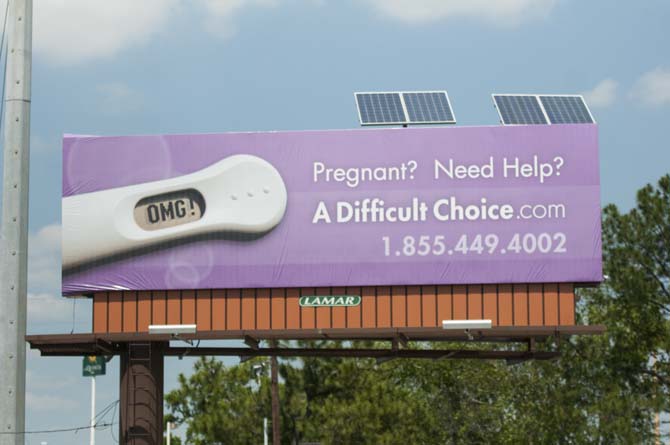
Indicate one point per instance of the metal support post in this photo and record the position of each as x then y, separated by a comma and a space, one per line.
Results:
14, 231
274, 388
92, 441
141, 394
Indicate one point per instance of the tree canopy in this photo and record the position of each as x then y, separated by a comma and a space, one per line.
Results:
603, 390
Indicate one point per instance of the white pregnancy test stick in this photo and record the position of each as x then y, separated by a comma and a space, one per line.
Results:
241, 193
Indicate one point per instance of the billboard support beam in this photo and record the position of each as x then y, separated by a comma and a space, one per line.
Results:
113, 343
141, 394
251, 342
14, 232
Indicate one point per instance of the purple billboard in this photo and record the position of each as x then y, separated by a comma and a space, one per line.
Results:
458, 205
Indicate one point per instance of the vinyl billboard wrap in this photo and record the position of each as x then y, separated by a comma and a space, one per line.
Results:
459, 205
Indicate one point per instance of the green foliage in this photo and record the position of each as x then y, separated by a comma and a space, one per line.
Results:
174, 440
219, 404
634, 301
354, 401
603, 390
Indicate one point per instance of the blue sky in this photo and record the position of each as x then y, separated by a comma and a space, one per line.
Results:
176, 66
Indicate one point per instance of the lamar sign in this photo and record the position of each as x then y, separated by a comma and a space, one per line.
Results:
404, 206
330, 300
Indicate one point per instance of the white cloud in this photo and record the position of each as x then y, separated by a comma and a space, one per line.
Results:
117, 97
40, 144
48, 308
40, 382
43, 402
220, 13
653, 87
500, 12
602, 95
76, 31
44, 259
71, 31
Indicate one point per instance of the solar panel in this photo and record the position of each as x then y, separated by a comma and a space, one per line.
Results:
404, 107
380, 108
566, 110
519, 109
428, 107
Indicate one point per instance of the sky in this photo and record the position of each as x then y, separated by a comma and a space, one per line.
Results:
177, 66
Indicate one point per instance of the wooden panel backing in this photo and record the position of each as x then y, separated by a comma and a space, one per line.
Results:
144, 311
550, 304
354, 318
100, 306
219, 314
338, 314
203, 310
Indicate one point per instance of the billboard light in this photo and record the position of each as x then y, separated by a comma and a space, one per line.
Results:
466, 324
172, 329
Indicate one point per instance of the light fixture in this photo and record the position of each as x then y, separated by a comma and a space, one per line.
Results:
172, 329
466, 324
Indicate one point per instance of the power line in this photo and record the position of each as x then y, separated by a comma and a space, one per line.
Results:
103, 412
101, 426
62, 430
74, 302
111, 430
4, 27
4, 70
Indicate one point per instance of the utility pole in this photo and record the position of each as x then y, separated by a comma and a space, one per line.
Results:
259, 370
274, 382
14, 230
92, 441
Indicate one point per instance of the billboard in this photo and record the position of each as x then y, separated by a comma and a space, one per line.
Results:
401, 206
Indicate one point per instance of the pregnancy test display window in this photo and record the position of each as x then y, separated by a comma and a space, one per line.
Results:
169, 209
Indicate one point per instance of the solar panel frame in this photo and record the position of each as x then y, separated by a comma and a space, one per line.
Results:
360, 116
428, 122
538, 98
537, 101
406, 113
575, 96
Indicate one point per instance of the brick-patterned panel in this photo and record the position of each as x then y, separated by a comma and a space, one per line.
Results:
381, 307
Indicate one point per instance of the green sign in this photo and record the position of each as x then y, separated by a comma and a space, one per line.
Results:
93, 365
329, 300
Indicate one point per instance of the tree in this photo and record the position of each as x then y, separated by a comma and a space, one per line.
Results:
174, 440
634, 301
219, 404
355, 401
603, 390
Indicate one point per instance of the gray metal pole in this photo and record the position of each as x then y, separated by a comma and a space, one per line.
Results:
274, 391
92, 437
14, 230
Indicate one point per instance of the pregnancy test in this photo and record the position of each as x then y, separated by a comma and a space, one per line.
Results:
241, 193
